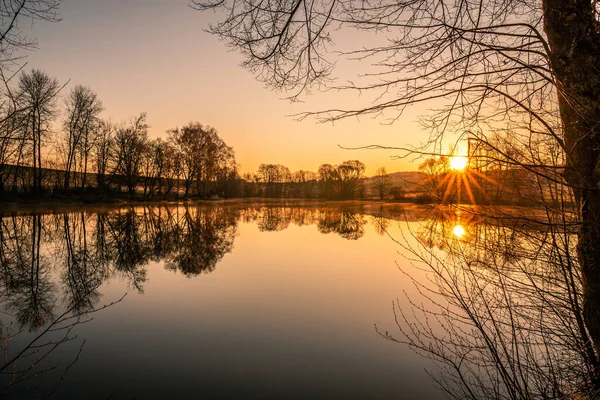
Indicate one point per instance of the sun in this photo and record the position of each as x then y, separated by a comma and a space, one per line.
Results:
458, 231
458, 163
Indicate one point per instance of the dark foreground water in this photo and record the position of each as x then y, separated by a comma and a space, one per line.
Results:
220, 302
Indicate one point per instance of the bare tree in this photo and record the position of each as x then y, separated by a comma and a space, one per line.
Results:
157, 166
275, 178
12, 145
202, 158
526, 71
303, 184
82, 109
104, 149
268, 175
37, 97
341, 181
382, 183
14, 14
172, 167
130, 145
186, 147
328, 177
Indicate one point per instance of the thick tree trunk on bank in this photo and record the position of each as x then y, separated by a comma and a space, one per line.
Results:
575, 59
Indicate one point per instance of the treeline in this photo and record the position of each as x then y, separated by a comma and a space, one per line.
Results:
55, 144
343, 181
52, 144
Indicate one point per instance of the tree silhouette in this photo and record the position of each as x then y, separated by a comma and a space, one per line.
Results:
130, 144
382, 183
37, 98
13, 15
522, 73
82, 109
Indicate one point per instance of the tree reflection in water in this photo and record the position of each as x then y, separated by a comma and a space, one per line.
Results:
203, 237
501, 312
347, 224
52, 266
26, 285
90, 247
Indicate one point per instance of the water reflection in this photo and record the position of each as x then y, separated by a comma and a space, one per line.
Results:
53, 265
347, 224
64, 258
487, 298
501, 312
26, 286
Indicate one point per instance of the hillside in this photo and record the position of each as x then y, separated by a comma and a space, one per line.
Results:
408, 181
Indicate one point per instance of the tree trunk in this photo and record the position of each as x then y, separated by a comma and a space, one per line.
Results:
16, 169
67, 176
39, 153
86, 153
575, 59
34, 153
85, 163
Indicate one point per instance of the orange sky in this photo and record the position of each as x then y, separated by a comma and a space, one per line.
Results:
153, 56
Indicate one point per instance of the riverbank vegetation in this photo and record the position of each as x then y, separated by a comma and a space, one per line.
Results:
56, 146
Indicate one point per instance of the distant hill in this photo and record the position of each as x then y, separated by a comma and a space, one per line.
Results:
495, 186
409, 181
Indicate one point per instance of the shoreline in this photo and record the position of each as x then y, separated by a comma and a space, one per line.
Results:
54, 204
390, 209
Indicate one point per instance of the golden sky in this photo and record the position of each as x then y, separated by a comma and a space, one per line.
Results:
154, 56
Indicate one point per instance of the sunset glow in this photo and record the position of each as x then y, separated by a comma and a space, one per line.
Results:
300, 199
458, 231
458, 163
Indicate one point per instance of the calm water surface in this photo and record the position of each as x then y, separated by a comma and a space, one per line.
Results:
221, 302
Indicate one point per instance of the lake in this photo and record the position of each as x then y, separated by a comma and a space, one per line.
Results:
230, 301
